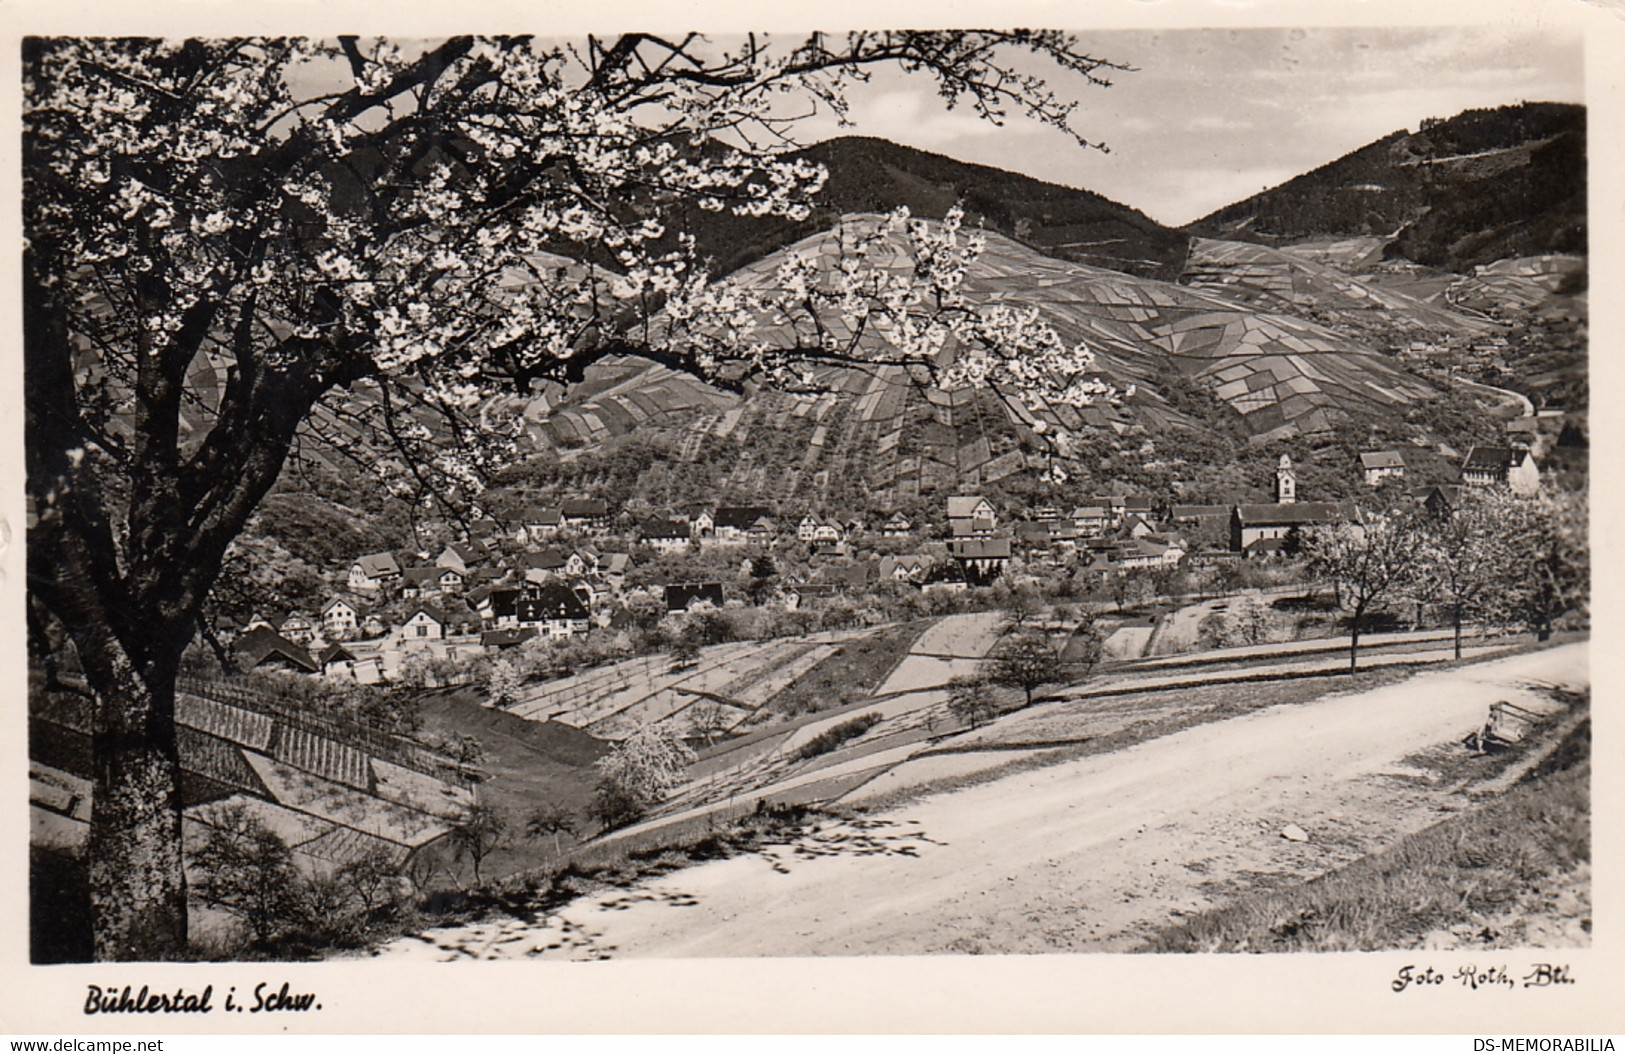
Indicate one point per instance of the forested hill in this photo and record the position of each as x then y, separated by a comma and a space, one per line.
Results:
1481, 186
875, 175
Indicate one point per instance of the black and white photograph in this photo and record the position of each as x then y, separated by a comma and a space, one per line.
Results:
1100, 499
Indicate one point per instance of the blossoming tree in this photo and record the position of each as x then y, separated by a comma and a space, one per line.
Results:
237, 246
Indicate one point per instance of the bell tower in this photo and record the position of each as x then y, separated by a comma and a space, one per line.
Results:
1286, 482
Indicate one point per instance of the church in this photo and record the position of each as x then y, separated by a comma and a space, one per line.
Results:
1256, 530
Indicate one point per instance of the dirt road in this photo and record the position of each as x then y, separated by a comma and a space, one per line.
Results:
1090, 855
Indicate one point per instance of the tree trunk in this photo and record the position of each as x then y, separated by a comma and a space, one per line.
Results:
1456, 618
136, 868
1354, 645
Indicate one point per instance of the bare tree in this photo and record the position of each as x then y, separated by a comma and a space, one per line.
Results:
970, 699
1026, 661
708, 718
550, 820
481, 831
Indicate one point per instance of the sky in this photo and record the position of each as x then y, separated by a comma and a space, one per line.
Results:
1208, 117
1212, 116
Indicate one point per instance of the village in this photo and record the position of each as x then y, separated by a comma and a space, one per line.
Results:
563, 571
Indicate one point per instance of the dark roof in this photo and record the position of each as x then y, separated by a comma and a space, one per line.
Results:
417, 576
379, 565
544, 517
505, 638
679, 596
584, 509
849, 575
552, 601
664, 529
963, 505
430, 610
1291, 514
263, 644
981, 548
334, 653
545, 560
1198, 512
1383, 459
740, 517
1491, 459
943, 573
504, 602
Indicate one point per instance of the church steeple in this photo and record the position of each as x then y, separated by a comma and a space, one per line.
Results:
1286, 482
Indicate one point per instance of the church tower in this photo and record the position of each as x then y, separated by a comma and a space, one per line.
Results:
1286, 482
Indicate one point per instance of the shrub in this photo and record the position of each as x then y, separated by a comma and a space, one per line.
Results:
834, 736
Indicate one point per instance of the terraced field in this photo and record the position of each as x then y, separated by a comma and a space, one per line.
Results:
885, 434
611, 702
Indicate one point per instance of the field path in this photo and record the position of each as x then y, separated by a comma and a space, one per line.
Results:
1089, 855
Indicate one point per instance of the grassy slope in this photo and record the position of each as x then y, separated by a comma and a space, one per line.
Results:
1488, 874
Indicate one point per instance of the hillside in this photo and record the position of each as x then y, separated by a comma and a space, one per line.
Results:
874, 175
1202, 371
1481, 186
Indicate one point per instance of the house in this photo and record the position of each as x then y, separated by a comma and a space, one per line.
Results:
1199, 514
460, 558
983, 559
1497, 466
374, 572
539, 566
896, 526
425, 623
693, 597
580, 562
539, 524
664, 536
337, 662
497, 608
947, 577
585, 513
971, 515
420, 581
736, 523
1135, 525
1033, 534
1113, 505
339, 619
612, 568
263, 648
703, 525
903, 568
374, 626
844, 576
1379, 465
553, 609
1091, 520
1442, 501
1150, 551
818, 532
298, 628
